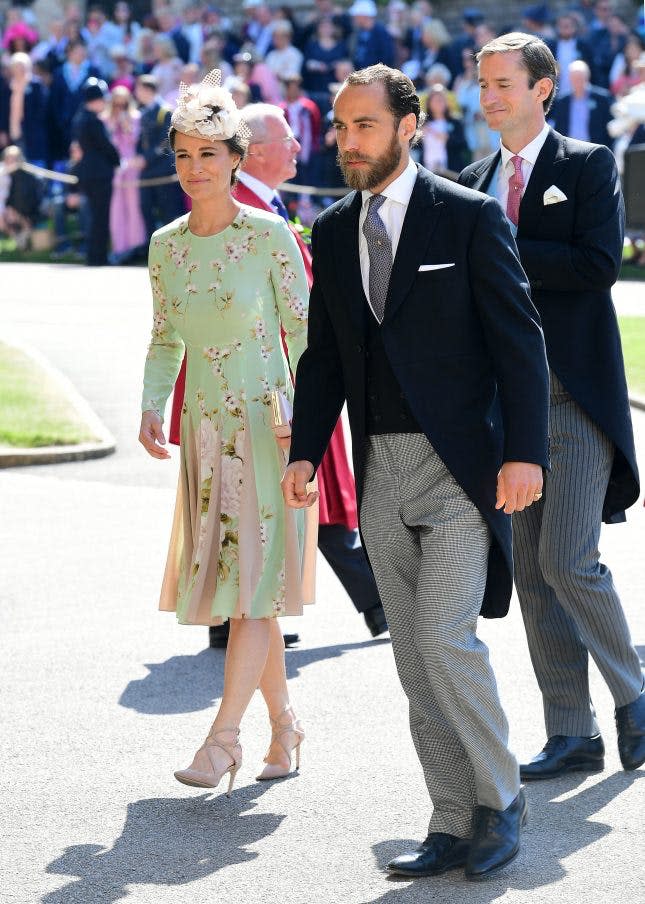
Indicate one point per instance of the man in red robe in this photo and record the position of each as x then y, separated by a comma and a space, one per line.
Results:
271, 160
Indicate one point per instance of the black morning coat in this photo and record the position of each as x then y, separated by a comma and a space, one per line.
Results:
464, 343
100, 157
572, 254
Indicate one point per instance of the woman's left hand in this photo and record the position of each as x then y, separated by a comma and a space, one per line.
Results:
151, 435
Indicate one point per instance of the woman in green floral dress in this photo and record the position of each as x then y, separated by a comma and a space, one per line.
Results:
225, 279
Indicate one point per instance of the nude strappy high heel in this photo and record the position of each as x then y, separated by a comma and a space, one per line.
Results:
204, 772
281, 728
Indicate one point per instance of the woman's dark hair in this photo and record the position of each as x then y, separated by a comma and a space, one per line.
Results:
535, 57
400, 91
235, 145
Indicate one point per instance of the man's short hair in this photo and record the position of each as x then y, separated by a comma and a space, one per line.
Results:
148, 81
401, 94
535, 57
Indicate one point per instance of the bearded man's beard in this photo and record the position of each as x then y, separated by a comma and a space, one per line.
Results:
377, 170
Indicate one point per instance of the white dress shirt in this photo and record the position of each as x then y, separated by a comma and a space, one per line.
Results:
263, 191
529, 155
392, 212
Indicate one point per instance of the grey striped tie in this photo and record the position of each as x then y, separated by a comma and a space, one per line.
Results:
379, 247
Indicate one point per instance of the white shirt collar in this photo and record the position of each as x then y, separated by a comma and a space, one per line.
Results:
262, 190
528, 153
401, 189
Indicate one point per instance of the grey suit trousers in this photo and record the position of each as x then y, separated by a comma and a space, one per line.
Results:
428, 545
567, 596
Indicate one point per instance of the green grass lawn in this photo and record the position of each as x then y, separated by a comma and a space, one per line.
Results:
33, 411
632, 331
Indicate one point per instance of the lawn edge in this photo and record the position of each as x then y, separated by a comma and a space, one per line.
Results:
16, 456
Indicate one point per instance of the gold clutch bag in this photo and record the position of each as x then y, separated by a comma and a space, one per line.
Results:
282, 412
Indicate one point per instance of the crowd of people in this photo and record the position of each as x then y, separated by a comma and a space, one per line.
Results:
268, 54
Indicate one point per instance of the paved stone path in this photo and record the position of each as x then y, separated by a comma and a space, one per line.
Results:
102, 696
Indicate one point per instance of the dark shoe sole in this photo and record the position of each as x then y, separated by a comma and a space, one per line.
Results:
574, 766
220, 643
413, 874
481, 877
630, 767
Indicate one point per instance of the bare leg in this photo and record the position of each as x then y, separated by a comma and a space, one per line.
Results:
246, 656
273, 682
273, 686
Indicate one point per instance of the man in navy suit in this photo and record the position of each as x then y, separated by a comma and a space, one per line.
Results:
163, 203
371, 42
563, 199
96, 168
567, 46
585, 112
420, 318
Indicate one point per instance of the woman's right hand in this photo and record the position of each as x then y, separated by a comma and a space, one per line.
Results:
151, 435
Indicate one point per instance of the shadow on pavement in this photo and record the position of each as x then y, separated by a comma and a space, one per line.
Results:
186, 684
165, 841
556, 829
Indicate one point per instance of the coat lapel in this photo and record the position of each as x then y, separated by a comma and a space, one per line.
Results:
545, 173
347, 260
479, 178
420, 222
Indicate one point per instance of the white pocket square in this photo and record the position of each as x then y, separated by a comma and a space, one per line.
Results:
554, 195
425, 267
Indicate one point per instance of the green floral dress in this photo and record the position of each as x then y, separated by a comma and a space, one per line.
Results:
235, 549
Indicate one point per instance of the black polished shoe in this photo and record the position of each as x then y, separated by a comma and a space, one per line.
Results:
375, 620
630, 722
437, 854
562, 754
496, 838
218, 637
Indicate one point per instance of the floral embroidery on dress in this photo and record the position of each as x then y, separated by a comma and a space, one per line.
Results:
295, 303
280, 596
227, 298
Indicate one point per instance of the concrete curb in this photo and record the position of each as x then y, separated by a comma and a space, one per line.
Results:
12, 456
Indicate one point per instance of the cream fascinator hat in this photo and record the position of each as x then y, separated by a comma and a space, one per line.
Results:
208, 111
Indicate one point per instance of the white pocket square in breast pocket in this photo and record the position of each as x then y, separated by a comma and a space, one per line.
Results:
554, 195
425, 267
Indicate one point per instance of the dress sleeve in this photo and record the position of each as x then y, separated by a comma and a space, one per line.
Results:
291, 291
166, 349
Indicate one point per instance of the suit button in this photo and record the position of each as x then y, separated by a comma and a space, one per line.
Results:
359, 348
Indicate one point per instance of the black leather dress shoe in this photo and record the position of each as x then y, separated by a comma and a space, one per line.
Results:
375, 620
630, 722
496, 838
437, 854
562, 754
218, 637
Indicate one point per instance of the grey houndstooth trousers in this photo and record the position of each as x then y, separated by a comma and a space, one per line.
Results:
428, 545
568, 600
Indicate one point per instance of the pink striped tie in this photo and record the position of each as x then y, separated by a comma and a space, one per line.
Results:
515, 186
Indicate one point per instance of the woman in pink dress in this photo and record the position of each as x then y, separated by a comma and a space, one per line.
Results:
127, 228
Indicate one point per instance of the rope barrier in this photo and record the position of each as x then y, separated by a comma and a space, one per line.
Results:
54, 176
288, 187
69, 179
